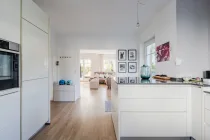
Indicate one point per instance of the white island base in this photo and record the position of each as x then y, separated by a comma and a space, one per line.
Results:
157, 110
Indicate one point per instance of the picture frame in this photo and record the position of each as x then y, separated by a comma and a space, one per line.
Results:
163, 52
132, 67
132, 55
122, 55
122, 67
132, 80
122, 80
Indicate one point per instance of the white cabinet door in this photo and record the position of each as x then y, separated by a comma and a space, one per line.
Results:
10, 20
197, 113
34, 52
32, 13
153, 124
35, 106
10, 117
206, 132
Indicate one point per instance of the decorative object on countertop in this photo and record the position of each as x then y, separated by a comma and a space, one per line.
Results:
69, 82
163, 52
145, 72
62, 82
122, 55
145, 81
122, 67
132, 55
161, 77
132, 67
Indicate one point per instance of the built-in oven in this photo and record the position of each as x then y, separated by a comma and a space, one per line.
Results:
9, 65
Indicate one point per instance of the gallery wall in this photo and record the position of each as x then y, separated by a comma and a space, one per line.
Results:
126, 63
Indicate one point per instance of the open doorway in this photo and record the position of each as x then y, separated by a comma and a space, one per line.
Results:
96, 67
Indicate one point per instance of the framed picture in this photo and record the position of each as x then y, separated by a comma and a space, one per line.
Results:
132, 55
122, 80
163, 52
132, 67
122, 67
122, 55
132, 80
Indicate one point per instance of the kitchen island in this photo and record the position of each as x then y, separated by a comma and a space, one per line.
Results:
159, 109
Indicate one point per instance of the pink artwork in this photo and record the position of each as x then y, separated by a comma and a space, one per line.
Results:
163, 52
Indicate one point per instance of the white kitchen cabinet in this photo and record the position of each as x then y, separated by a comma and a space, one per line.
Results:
34, 52
207, 101
151, 110
35, 106
206, 122
10, 117
196, 105
64, 92
32, 13
207, 132
153, 124
10, 20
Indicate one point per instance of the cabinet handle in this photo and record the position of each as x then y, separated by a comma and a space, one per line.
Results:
207, 92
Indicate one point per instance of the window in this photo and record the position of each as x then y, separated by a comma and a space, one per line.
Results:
85, 67
150, 56
109, 65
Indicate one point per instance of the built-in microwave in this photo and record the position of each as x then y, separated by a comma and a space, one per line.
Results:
9, 65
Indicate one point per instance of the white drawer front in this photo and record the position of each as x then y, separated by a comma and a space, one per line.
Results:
153, 105
207, 117
207, 132
153, 92
207, 101
134, 124
65, 88
64, 96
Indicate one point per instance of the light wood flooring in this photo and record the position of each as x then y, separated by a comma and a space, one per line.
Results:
82, 120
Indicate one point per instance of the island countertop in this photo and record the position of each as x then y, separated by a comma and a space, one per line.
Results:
152, 81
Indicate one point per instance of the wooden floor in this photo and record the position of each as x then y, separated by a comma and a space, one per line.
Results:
82, 120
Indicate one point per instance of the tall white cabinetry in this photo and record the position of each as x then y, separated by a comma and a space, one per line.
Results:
10, 104
10, 117
206, 117
35, 91
196, 105
10, 20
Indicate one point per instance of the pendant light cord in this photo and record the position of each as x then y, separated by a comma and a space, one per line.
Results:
138, 12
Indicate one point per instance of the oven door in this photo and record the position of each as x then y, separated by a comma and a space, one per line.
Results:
9, 70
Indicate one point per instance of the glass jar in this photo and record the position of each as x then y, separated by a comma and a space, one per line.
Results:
145, 72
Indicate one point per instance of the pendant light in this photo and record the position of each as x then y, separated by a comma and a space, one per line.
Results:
138, 24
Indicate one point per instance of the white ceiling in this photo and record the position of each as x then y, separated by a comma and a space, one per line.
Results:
98, 51
99, 16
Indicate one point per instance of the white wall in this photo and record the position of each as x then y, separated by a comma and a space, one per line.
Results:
71, 46
185, 25
192, 35
209, 33
52, 61
163, 27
